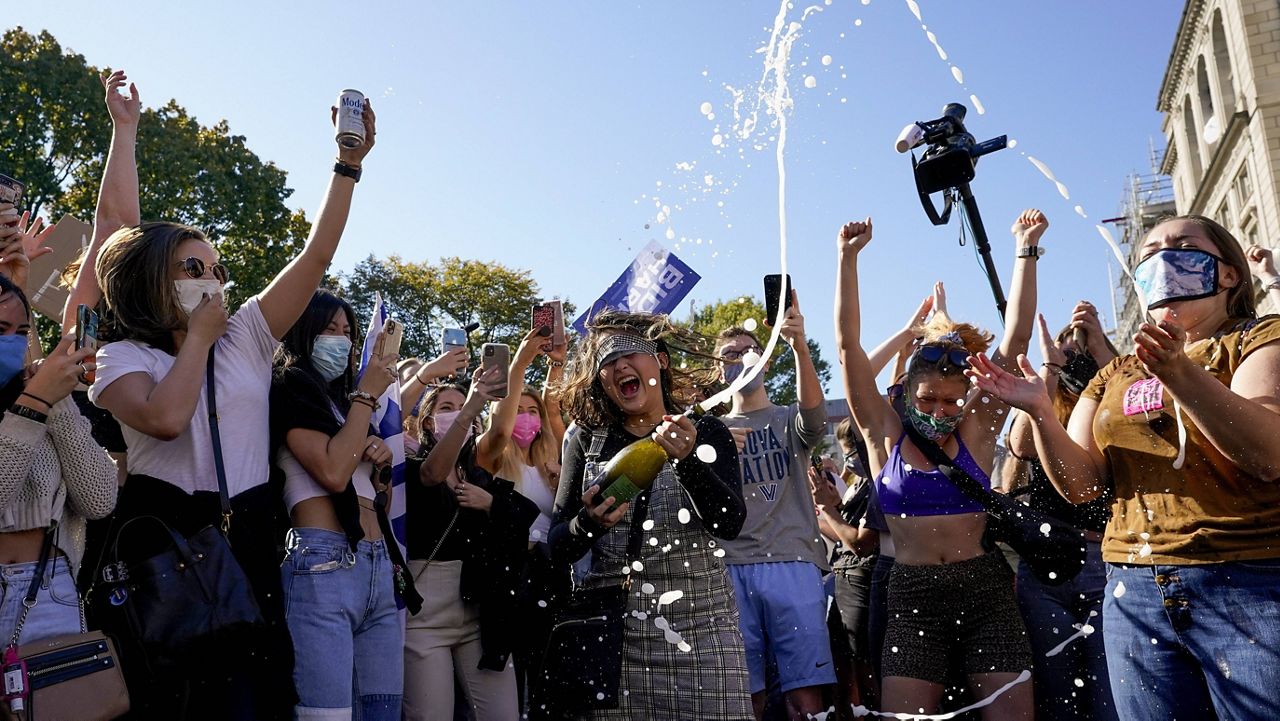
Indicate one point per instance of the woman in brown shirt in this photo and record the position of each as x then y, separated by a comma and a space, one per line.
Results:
1192, 608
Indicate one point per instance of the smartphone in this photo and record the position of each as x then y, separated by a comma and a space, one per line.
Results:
773, 289
86, 335
11, 190
497, 355
452, 338
550, 315
389, 342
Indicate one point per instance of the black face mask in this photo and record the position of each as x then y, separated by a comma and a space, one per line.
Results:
1079, 369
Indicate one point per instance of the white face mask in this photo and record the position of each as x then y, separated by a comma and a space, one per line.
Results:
192, 291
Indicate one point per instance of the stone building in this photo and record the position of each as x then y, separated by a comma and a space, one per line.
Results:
1221, 102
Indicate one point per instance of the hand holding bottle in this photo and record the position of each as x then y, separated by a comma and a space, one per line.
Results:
677, 436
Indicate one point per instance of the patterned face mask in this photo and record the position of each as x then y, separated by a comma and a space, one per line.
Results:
935, 429
1175, 274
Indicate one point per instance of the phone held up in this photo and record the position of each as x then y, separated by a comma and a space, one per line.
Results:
773, 290
451, 338
389, 341
11, 190
86, 335
550, 315
497, 355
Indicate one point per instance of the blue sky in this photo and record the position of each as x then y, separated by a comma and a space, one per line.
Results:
536, 134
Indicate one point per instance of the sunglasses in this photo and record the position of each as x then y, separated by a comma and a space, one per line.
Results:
194, 268
733, 355
935, 353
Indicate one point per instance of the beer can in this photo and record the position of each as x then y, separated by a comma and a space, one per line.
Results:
350, 118
11, 190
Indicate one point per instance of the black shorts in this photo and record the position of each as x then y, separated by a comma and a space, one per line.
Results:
962, 612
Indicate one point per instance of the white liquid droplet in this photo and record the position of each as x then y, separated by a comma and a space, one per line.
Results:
858, 22
1119, 589
810, 82
670, 597
1079, 683
957, 74
684, 646
718, 553
637, 566
706, 108
542, 604
1045, 528
915, 10
1144, 551
717, 139
706, 453
977, 105
660, 622
646, 588
653, 381
1080, 211
647, 525
750, 324
683, 515
1013, 143
600, 695
671, 234
826, 59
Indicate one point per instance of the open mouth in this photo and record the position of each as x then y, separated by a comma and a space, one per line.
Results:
629, 386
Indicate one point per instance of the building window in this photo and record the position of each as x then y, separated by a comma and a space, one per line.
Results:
1212, 123
1222, 63
1243, 187
1223, 216
1193, 147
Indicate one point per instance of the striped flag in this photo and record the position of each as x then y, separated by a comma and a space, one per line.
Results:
387, 419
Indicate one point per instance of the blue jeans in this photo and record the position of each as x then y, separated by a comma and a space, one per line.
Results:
1194, 642
1053, 614
57, 609
341, 610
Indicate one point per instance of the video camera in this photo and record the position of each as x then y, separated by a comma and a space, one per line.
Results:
947, 166
949, 161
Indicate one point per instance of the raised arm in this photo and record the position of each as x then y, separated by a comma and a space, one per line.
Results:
551, 399
1071, 460
875, 417
449, 363
901, 341
490, 446
288, 294
443, 457
808, 386
118, 204
1263, 266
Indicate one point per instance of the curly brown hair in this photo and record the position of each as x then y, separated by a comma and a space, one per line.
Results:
940, 330
582, 394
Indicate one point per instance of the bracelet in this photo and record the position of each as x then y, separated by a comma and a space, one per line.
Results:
1273, 285
1032, 252
368, 404
347, 170
35, 397
560, 364
1054, 368
358, 396
29, 413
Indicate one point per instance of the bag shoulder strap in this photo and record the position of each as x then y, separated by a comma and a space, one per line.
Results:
947, 465
639, 507
29, 601
223, 497
598, 437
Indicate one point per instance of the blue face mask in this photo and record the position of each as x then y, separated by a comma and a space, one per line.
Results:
331, 355
13, 356
731, 373
1175, 274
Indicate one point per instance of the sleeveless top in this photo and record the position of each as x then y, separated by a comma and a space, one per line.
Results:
905, 491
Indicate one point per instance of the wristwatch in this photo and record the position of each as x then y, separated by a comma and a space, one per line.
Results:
349, 171
1030, 251
29, 413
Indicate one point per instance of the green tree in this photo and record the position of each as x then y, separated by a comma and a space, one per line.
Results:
780, 380
55, 133
452, 293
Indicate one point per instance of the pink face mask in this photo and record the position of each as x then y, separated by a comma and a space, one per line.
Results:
444, 420
526, 429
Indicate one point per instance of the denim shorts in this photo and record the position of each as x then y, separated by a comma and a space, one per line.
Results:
57, 609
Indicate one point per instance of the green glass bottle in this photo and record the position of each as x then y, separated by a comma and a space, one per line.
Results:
632, 471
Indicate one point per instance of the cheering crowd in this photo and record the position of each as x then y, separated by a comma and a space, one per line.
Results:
1093, 536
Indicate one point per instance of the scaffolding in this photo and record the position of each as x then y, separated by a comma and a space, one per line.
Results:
1148, 197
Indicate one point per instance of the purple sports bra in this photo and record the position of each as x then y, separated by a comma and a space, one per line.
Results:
926, 493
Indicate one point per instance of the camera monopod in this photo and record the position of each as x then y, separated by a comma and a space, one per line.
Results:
947, 166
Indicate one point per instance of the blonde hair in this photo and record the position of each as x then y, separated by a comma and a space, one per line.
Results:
940, 330
543, 450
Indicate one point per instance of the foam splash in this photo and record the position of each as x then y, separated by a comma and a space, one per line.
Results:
1082, 630
773, 96
914, 7
957, 73
1023, 677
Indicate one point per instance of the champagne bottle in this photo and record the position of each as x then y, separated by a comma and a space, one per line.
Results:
631, 472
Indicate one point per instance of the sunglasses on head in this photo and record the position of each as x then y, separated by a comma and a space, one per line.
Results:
732, 354
194, 268
958, 357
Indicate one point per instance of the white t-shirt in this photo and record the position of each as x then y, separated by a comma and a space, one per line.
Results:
533, 487
242, 370
299, 485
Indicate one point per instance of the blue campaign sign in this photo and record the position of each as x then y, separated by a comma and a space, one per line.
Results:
655, 282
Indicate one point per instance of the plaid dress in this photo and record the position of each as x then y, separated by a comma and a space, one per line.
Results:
684, 659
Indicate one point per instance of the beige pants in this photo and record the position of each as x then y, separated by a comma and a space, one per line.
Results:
443, 641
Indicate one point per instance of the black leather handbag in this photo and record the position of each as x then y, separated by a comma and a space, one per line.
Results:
582, 663
192, 598
1054, 551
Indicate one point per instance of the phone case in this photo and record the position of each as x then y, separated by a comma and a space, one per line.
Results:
393, 334
771, 293
497, 355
